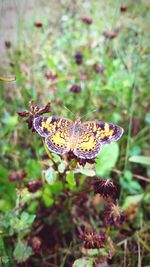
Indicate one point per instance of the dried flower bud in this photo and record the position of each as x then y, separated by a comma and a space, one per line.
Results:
123, 8
76, 88
106, 188
110, 35
113, 214
7, 44
51, 75
83, 76
34, 185
36, 244
38, 24
135, 125
33, 112
81, 161
23, 114
93, 239
87, 21
17, 176
98, 68
79, 58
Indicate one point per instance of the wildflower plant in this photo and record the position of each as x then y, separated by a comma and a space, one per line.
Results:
64, 171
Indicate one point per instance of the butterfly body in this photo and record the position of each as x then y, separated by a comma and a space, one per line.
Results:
83, 139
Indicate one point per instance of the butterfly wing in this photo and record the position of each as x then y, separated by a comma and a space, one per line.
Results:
104, 132
88, 146
56, 131
92, 135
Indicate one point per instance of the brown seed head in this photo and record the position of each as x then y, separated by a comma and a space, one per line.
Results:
36, 244
87, 21
93, 239
113, 214
38, 24
17, 175
76, 88
79, 58
34, 185
106, 188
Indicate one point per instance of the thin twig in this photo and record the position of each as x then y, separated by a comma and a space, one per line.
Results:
62, 80
125, 253
139, 253
133, 97
134, 175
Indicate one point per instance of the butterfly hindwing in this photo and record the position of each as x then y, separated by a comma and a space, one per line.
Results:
58, 142
88, 146
56, 131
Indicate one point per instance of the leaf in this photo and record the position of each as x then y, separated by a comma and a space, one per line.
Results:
22, 251
132, 200
33, 169
70, 179
62, 166
107, 159
83, 262
140, 159
128, 175
147, 117
47, 197
3, 172
56, 188
50, 176
87, 172
48, 201
27, 218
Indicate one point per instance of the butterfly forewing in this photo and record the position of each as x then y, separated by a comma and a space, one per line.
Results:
104, 132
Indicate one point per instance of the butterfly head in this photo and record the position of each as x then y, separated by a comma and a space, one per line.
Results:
78, 121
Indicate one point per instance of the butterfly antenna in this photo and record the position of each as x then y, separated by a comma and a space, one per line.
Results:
88, 113
69, 111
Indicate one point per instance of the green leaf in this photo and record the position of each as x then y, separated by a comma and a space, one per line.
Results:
140, 159
147, 117
56, 188
87, 172
3, 172
50, 176
62, 166
48, 201
83, 262
22, 251
27, 218
47, 197
70, 178
107, 159
33, 169
135, 150
132, 200
128, 175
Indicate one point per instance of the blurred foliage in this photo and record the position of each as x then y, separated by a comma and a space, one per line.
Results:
104, 65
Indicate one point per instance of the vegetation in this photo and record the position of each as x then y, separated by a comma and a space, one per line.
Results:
61, 210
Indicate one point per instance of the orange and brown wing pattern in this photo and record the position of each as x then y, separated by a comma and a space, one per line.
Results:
88, 146
104, 132
56, 131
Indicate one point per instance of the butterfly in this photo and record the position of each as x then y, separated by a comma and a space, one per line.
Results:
83, 139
